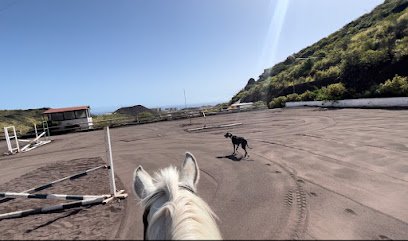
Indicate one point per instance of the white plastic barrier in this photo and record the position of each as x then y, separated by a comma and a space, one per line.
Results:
367, 102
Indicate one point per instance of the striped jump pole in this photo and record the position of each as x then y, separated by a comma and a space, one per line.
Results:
27, 212
51, 196
108, 148
48, 185
32, 141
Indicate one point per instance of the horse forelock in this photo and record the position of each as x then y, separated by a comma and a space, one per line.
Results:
183, 215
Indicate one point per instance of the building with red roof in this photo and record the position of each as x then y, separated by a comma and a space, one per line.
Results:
69, 118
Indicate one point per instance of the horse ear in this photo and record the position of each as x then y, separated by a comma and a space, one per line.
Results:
142, 183
190, 173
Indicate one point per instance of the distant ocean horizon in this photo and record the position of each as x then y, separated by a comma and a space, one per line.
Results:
100, 110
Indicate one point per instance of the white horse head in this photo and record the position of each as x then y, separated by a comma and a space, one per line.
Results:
173, 210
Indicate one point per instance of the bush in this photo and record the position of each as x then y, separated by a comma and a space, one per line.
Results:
101, 121
308, 96
278, 102
371, 92
336, 91
401, 48
259, 104
332, 92
239, 96
292, 97
398, 86
145, 115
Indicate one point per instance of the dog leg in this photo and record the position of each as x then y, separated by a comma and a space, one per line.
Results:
246, 153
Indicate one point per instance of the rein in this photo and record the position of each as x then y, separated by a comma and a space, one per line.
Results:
147, 210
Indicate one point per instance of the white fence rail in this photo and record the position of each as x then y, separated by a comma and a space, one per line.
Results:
350, 103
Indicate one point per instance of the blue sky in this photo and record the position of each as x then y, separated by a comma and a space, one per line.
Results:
107, 54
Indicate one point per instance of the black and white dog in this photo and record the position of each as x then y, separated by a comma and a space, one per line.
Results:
236, 141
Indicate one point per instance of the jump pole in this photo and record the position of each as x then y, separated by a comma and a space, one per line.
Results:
205, 119
41, 143
214, 127
35, 129
50, 184
51, 196
27, 212
32, 141
108, 146
110, 161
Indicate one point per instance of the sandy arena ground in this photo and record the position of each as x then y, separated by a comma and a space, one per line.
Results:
312, 174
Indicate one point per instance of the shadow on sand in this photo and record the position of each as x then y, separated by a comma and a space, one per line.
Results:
235, 158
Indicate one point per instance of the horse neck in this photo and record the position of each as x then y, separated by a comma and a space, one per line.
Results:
185, 216
180, 214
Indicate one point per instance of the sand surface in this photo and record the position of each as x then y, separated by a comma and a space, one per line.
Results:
312, 174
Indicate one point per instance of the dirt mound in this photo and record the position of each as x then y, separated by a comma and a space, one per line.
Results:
134, 110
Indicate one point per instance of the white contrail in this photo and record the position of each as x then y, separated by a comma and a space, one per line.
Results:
271, 44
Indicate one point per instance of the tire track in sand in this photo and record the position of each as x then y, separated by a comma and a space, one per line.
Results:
296, 200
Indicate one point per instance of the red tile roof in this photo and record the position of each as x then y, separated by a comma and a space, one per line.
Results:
56, 110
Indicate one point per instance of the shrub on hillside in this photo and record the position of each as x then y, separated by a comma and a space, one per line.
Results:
278, 102
239, 96
307, 96
371, 92
398, 86
332, 92
259, 104
101, 121
401, 48
145, 115
292, 97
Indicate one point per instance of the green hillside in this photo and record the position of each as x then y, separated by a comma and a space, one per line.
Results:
354, 62
23, 120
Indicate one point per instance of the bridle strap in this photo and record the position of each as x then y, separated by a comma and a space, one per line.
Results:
147, 211
188, 188
145, 222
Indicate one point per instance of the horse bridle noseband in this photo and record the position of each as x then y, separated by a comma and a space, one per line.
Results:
147, 210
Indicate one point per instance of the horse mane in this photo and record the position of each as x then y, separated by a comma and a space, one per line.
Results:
184, 215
